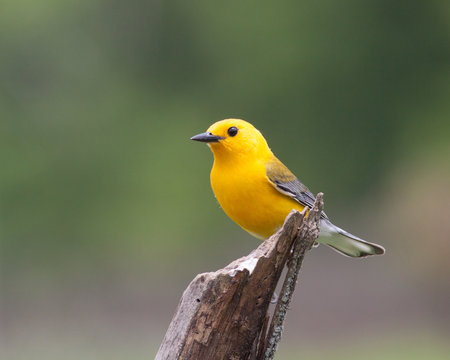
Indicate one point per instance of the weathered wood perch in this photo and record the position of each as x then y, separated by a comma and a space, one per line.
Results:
224, 314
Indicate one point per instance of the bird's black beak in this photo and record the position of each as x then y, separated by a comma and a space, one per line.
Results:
207, 137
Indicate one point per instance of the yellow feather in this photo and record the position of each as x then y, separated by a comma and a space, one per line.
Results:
240, 183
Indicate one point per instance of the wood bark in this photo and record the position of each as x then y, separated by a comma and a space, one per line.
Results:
224, 314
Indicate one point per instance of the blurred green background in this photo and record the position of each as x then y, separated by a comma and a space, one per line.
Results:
106, 211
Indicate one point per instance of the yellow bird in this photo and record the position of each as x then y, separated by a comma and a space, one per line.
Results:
257, 191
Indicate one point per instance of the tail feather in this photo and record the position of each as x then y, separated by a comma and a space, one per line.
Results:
346, 243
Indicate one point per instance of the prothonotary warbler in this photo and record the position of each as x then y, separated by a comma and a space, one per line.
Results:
257, 191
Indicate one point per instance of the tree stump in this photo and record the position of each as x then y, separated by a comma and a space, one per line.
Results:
224, 314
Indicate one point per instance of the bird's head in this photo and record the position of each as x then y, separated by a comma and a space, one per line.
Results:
232, 138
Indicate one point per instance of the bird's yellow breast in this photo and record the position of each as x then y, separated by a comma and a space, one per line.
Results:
248, 198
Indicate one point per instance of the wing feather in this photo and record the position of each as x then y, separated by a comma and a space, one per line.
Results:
288, 184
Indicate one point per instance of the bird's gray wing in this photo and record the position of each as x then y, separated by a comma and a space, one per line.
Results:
287, 183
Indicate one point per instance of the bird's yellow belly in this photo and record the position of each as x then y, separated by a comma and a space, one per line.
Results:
252, 202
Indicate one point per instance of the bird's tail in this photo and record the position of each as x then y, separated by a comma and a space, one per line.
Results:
346, 243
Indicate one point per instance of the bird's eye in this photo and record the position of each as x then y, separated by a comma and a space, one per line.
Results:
232, 131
